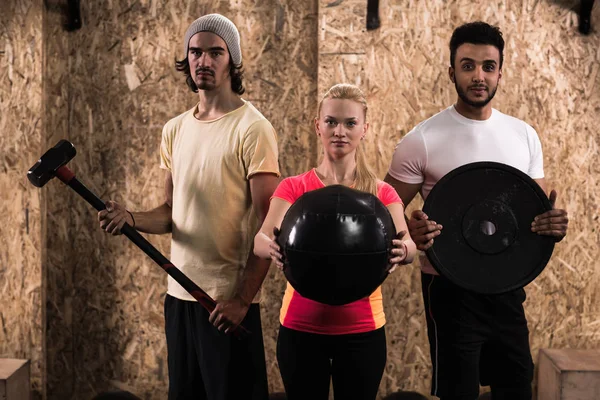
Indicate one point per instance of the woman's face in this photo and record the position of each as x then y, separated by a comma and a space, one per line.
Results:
341, 126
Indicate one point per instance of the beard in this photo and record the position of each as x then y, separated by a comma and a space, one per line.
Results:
477, 104
205, 85
205, 82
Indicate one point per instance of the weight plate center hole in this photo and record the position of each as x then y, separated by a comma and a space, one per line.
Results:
488, 228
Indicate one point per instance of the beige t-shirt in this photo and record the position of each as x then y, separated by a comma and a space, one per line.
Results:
213, 220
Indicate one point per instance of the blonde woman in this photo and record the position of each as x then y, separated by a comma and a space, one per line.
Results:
318, 342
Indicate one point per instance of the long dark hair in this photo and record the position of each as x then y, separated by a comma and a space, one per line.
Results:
236, 73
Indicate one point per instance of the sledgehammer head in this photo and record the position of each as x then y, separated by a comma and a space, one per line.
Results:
53, 159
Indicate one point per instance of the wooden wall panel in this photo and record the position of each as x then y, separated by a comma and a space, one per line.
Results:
21, 207
550, 80
121, 87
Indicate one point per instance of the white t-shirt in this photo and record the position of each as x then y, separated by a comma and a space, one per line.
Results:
448, 140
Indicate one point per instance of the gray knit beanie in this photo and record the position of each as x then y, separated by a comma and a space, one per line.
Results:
221, 26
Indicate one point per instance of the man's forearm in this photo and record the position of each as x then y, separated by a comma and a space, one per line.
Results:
252, 278
262, 187
157, 221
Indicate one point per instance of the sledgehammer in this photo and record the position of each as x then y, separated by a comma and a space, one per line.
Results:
53, 163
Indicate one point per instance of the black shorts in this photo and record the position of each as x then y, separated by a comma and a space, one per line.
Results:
475, 339
205, 364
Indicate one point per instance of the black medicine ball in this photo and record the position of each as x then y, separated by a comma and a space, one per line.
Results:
336, 244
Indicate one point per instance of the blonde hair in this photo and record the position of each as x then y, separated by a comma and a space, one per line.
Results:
366, 180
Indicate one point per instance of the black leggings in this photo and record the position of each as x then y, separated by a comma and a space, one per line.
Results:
307, 362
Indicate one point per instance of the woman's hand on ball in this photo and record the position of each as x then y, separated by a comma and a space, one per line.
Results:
276, 255
275, 251
398, 252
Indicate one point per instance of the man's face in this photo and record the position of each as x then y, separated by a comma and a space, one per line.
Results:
476, 73
209, 61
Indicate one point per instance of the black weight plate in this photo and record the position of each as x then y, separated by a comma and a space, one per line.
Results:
486, 244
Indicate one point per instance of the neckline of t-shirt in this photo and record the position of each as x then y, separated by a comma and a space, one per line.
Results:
221, 117
323, 185
468, 121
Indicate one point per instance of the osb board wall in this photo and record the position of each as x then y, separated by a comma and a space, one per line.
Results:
20, 143
60, 233
550, 80
111, 87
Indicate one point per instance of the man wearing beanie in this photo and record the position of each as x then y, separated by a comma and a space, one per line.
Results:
221, 165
